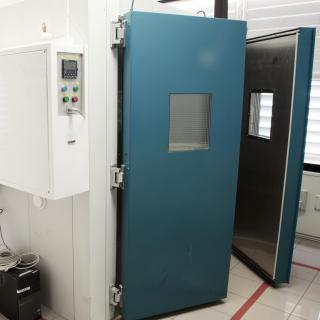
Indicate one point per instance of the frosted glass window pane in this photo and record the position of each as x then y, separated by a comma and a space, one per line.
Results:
260, 119
189, 122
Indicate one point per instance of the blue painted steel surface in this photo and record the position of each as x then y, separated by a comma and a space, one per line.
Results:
178, 207
305, 53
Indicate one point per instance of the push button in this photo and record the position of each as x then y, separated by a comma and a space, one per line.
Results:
64, 89
75, 89
75, 99
66, 99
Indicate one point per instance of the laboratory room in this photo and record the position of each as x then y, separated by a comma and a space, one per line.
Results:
159, 159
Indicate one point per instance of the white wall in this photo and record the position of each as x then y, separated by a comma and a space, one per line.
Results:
60, 232
21, 23
101, 209
149, 6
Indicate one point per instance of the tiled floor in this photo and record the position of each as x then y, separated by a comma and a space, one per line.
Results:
298, 301
47, 314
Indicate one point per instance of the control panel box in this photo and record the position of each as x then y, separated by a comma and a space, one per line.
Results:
44, 120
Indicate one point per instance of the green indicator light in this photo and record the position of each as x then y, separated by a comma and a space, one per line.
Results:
75, 89
64, 89
66, 99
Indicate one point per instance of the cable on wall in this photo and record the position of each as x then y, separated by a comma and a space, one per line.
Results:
203, 12
28, 260
9, 259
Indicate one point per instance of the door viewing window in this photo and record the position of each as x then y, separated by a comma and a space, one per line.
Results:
189, 122
260, 117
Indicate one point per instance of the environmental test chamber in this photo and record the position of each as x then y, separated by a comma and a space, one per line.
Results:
179, 139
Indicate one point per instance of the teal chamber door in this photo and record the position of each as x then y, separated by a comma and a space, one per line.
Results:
183, 90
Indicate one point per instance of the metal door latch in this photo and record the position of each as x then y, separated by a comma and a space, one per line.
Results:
72, 110
118, 30
117, 177
115, 295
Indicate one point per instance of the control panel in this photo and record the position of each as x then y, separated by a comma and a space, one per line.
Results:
70, 84
53, 117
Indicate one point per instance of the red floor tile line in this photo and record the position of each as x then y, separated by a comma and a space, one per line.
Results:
306, 266
250, 302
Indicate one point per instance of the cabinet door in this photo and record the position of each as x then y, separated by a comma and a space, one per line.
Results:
183, 92
276, 97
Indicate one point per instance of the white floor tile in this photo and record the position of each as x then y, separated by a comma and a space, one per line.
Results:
48, 314
202, 314
231, 304
262, 312
245, 272
242, 286
313, 293
292, 317
279, 299
313, 250
165, 318
296, 286
309, 245
303, 273
306, 257
233, 262
307, 309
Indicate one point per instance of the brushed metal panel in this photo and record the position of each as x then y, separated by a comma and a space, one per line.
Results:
270, 65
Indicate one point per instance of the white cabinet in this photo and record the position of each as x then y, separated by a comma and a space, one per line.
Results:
44, 120
309, 218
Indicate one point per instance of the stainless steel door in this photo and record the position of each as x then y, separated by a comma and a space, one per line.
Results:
272, 145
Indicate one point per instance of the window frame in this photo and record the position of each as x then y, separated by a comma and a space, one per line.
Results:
261, 138
309, 166
210, 112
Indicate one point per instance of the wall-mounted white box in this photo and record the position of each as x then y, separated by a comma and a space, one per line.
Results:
44, 137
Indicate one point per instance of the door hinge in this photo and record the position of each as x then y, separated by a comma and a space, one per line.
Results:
118, 30
115, 295
117, 177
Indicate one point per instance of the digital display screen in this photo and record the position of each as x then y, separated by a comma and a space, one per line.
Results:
69, 69
70, 65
